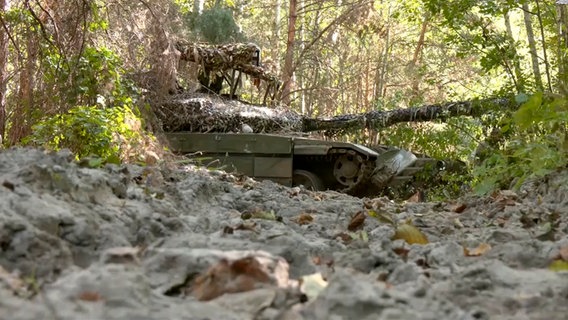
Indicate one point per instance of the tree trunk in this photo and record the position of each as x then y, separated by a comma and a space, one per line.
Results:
4, 6
532, 47
544, 49
562, 22
516, 62
198, 7
288, 71
415, 58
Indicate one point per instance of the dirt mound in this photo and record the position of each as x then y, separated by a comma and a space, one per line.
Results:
126, 242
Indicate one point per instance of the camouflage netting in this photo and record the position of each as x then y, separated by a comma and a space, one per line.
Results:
205, 113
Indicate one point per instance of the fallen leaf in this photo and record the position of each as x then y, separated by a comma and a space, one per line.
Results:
501, 221
312, 285
12, 280
410, 234
246, 226
357, 221
417, 197
563, 254
229, 277
478, 251
90, 296
381, 216
9, 185
457, 223
401, 252
459, 208
228, 230
121, 255
344, 237
303, 219
558, 265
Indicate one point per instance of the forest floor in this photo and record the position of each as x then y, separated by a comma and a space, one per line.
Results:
180, 242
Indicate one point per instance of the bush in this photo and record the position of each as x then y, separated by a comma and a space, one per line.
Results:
108, 133
537, 144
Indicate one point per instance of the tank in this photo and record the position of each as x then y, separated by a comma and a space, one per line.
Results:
293, 161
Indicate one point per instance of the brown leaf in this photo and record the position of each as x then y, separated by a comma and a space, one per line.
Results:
229, 277
501, 221
91, 296
12, 280
417, 197
478, 251
563, 254
246, 226
410, 234
459, 208
303, 219
401, 252
344, 237
357, 221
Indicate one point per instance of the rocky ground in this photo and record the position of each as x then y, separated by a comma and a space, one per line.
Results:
126, 242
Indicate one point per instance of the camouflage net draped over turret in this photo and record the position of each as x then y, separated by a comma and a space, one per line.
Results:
204, 113
219, 58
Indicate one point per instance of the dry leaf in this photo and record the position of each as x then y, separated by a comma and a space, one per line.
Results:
478, 251
246, 226
90, 296
558, 265
12, 280
344, 237
401, 252
303, 219
563, 254
410, 234
229, 277
312, 285
381, 216
459, 208
357, 221
501, 221
121, 255
417, 197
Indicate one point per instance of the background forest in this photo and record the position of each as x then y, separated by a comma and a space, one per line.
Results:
75, 73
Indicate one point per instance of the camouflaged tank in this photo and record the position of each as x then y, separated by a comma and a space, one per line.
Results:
292, 161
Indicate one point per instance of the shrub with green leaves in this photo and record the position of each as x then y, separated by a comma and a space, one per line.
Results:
537, 144
89, 131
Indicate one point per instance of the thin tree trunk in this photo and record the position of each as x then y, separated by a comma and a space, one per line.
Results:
416, 57
382, 70
562, 22
4, 6
516, 62
532, 47
289, 57
545, 56
198, 6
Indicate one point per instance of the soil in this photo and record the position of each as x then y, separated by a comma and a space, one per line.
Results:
183, 242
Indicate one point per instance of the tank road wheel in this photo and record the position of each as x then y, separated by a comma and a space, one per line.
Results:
308, 179
348, 168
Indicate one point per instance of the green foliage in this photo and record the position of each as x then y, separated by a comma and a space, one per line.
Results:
537, 144
216, 25
94, 77
98, 116
89, 131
